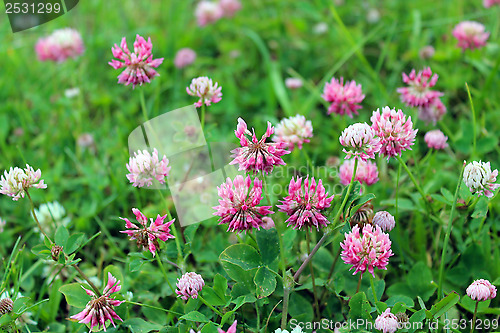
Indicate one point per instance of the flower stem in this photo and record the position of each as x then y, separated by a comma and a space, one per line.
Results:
330, 273
359, 283
209, 305
203, 107
153, 307
143, 105
308, 240
82, 274
174, 232
158, 259
284, 313
36, 218
474, 318
373, 290
447, 236
473, 121
335, 220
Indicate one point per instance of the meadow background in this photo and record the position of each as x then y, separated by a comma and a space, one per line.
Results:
249, 55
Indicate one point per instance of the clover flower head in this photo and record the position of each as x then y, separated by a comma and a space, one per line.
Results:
207, 12
436, 139
17, 181
433, 112
293, 131
395, 131
206, 90
147, 236
144, 167
361, 141
60, 45
481, 290
470, 35
479, 178
229, 7
254, 154
366, 172
139, 65
367, 250
345, 98
293, 83
419, 92
490, 3
387, 322
189, 285
305, 204
184, 57
384, 220
100, 309
239, 204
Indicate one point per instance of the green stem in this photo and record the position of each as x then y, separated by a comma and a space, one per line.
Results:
82, 274
473, 122
153, 307
174, 233
447, 236
308, 240
335, 220
410, 174
143, 105
164, 272
474, 318
308, 159
209, 305
359, 283
373, 290
284, 313
203, 107
400, 230
36, 218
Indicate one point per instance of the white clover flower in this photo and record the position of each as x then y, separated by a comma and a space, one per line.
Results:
17, 181
479, 178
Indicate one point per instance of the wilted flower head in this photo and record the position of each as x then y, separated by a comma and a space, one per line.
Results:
396, 133
362, 216
6, 305
231, 329
470, 35
489, 3
426, 52
229, 7
361, 140
189, 285
86, 140
100, 309
257, 155
419, 93
60, 45
207, 12
479, 178
366, 172
366, 251
436, 139
481, 290
384, 220
17, 181
345, 99
184, 57
293, 131
433, 112
144, 167
293, 83
387, 322
147, 236
138, 64
206, 90
238, 204
305, 204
